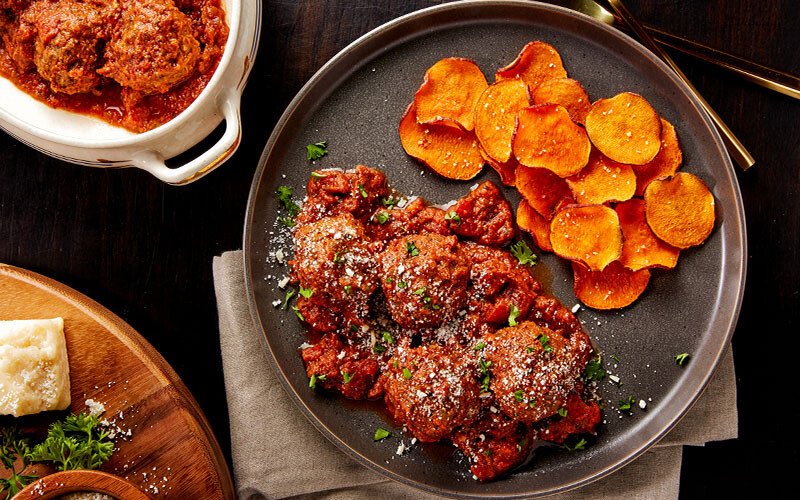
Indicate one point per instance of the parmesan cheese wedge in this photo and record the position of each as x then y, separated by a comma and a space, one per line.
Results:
34, 370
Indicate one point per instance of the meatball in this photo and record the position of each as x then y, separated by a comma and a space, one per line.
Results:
152, 49
332, 192
335, 262
484, 216
432, 390
534, 370
424, 279
498, 286
494, 444
69, 36
345, 368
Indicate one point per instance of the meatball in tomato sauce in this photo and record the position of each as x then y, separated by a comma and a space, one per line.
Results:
534, 369
424, 279
432, 390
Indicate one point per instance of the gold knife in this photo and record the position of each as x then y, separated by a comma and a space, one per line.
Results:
736, 149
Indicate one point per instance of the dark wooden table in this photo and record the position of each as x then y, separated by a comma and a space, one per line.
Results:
144, 249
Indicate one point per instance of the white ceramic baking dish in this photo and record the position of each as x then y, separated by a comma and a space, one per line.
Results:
89, 141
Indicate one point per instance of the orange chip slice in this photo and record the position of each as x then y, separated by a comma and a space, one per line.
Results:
589, 234
641, 248
602, 180
614, 287
531, 221
496, 116
543, 190
566, 92
625, 128
451, 88
666, 162
680, 210
506, 171
450, 151
536, 63
548, 138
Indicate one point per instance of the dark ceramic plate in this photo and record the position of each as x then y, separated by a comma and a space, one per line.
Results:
355, 103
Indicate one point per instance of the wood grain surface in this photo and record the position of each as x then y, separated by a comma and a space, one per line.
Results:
164, 445
144, 249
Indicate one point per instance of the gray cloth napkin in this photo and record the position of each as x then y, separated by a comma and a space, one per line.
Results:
277, 454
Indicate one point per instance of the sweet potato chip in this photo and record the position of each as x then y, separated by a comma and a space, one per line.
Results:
450, 151
614, 287
536, 63
531, 221
496, 117
548, 138
543, 190
566, 92
602, 180
589, 234
640, 247
451, 88
680, 210
506, 171
666, 162
625, 128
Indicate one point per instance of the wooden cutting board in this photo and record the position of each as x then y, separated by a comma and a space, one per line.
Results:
170, 451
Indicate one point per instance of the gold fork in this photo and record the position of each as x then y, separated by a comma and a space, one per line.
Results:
735, 147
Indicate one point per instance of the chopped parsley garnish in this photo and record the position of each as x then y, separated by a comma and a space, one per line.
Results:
521, 444
389, 202
682, 358
485, 383
381, 433
532, 403
347, 377
523, 253
390, 280
387, 337
316, 378
479, 346
317, 176
513, 314
453, 216
378, 348
545, 341
615, 358
626, 404
298, 313
530, 349
518, 395
363, 191
402, 284
285, 197
347, 288
286, 221
394, 363
306, 292
317, 150
562, 412
412, 249
406, 373
288, 297
594, 369
338, 257
580, 445
484, 366
383, 217
420, 291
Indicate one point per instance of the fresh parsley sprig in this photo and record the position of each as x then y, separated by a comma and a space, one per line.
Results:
317, 150
523, 253
14, 446
79, 442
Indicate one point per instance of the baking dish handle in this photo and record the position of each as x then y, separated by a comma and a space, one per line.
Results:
219, 153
